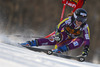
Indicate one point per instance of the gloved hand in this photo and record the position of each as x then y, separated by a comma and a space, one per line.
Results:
85, 51
57, 36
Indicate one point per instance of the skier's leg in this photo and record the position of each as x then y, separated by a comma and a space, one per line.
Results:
44, 41
39, 42
69, 45
75, 43
61, 45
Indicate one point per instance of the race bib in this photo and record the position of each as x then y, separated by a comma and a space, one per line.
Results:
87, 36
75, 43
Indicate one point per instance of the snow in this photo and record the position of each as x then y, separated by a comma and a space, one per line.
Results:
13, 56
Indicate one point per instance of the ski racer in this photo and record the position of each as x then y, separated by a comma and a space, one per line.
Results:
72, 3
67, 36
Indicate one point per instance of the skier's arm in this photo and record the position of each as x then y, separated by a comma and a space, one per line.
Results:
62, 24
59, 27
86, 35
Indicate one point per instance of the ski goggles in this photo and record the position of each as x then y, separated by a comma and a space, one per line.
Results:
81, 19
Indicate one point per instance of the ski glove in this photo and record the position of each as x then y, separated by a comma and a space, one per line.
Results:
85, 51
57, 36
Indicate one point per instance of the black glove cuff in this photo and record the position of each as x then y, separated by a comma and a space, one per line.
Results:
86, 48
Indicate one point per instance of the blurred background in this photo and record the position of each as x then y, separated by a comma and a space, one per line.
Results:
40, 17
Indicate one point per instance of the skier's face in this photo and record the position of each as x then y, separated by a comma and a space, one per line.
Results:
78, 23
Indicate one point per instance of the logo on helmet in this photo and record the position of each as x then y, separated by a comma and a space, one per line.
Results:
83, 14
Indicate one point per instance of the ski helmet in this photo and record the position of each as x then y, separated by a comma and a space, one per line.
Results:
80, 15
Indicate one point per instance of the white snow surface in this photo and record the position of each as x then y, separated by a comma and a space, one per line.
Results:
13, 56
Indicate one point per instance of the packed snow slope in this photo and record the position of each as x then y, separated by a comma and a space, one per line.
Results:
13, 56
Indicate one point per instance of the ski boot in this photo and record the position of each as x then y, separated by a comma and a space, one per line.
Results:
50, 52
56, 51
61, 49
29, 43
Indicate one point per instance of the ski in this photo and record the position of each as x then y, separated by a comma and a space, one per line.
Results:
78, 58
37, 49
49, 52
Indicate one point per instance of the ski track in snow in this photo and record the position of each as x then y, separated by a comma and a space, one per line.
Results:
12, 56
